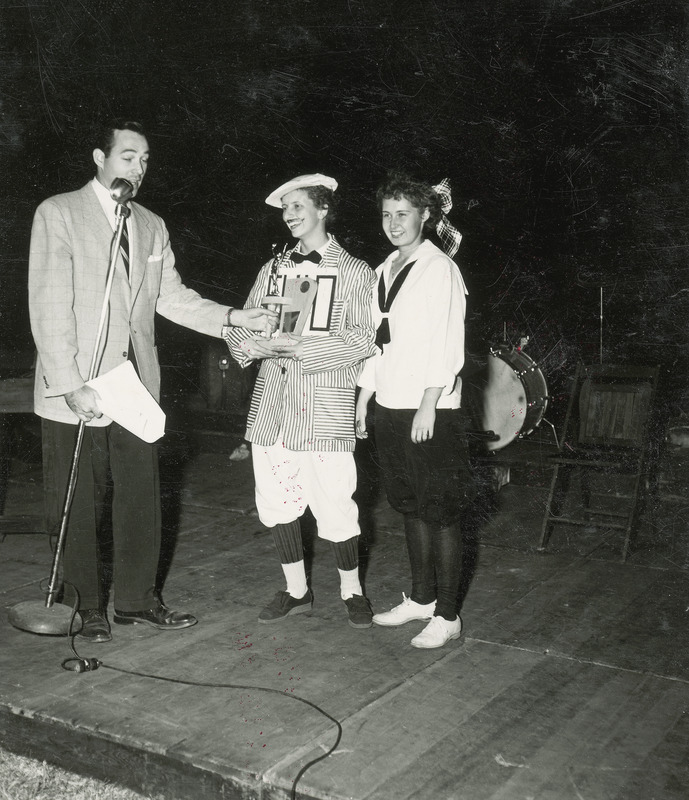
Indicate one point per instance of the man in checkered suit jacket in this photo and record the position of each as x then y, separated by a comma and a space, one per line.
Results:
71, 241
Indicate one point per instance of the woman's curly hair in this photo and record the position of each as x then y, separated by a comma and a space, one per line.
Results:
421, 195
322, 197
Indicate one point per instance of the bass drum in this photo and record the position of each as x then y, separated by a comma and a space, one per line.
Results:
515, 396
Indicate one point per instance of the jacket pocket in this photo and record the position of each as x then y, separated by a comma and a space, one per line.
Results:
333, 412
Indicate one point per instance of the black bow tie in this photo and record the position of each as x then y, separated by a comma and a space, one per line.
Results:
298, 257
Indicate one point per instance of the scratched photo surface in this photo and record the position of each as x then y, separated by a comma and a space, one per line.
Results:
560, 124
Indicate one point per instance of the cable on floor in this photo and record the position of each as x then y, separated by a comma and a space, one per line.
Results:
80, 665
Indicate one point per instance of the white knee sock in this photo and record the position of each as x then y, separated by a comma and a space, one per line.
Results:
295, 575
349, 582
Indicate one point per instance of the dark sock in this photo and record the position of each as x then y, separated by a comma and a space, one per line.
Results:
447, 552
420, 551
346, 553
288, 542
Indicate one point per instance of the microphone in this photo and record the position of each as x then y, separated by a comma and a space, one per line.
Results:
121, 190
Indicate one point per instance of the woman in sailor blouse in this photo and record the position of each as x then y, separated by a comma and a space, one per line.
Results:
419, 309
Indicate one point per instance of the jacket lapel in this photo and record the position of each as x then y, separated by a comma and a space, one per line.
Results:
95, 218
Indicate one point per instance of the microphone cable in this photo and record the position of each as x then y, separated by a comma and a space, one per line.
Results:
80, 665
308, 765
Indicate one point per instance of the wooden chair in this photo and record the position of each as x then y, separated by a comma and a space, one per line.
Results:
606, 432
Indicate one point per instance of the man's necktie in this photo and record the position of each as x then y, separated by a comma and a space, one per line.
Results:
124, 246
298, 257
124, 250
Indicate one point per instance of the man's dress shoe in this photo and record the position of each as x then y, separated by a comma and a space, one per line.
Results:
95, 626
159, 617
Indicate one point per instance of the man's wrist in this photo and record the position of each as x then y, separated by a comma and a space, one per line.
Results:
228, 317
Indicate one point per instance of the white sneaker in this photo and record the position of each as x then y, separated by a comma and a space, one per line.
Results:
406, 611
438, 632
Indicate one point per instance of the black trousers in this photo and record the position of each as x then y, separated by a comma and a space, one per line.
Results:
431, 480
109, 455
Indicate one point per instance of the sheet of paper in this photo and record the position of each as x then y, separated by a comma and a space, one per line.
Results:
128, 402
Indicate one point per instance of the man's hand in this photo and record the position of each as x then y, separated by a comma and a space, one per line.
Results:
84, 403
255, 319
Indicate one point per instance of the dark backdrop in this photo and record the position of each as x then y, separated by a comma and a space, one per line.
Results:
562, 126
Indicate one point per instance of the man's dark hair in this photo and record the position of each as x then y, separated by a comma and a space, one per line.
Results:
105, 135
322, 197
420, 194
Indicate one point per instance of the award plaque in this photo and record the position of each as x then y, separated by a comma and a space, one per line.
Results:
294, 305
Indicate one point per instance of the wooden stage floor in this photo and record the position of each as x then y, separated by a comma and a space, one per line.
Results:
571, 679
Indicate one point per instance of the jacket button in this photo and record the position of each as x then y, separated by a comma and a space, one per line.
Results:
125, 354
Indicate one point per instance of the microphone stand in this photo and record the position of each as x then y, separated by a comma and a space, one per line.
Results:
51, 618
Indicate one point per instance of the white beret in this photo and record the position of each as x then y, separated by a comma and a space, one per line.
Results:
300, 182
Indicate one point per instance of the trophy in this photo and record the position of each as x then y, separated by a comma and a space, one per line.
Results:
295, 302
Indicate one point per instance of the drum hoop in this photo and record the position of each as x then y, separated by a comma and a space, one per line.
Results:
535, 388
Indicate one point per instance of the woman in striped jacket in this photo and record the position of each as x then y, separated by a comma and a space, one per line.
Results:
301, 418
